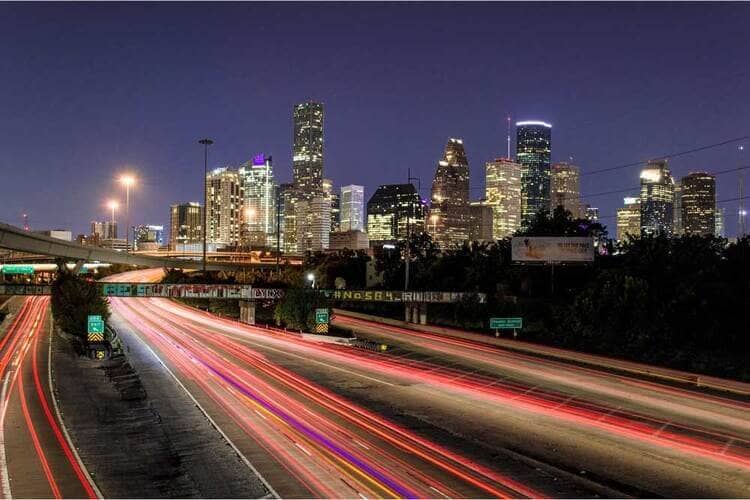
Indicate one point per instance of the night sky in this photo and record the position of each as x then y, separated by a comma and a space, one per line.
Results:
90, 90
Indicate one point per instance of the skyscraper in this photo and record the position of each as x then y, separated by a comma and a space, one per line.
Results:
335, 202
565, 188
105, 230
629, 219
503, 194
393, 211
719, 221
450, 196
352, 208
258, 201
287, 198
308, 149
224, 204
533, 149
657, 199
698, 203
313, 219
677, 210
149, 237
480, 221
185, 225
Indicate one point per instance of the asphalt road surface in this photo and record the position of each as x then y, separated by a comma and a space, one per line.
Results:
319, 419
36, 460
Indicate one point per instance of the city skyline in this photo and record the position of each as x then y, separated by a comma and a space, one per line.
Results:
644, 123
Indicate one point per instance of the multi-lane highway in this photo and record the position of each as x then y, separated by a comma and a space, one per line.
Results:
506, 426
36, 460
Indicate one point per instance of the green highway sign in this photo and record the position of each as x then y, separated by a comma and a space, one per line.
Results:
18, 269
506, 323
321, 316
95, 324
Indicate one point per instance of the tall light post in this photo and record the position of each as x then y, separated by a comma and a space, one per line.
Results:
127, 181
206, 143
311, 279
112, 205
741, 189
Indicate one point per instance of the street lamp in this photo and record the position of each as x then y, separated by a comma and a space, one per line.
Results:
127, 180
311, 278
206, 143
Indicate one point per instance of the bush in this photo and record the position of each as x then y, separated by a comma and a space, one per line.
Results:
297, 309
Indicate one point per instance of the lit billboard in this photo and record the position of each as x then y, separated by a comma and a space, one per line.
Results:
546, 249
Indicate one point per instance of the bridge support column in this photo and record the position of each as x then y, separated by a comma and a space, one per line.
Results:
247, 312
78, 266
422, 312
407, 313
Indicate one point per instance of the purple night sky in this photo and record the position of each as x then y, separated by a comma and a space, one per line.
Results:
91, 90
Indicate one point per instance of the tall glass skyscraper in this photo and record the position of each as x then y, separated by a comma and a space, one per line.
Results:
449, 209
533, 147
565, 188
308, 149
503, 194
352, 208
657, 199
259, 201
698, 204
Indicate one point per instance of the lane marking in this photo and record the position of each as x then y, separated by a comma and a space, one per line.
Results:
211, 420
3, 461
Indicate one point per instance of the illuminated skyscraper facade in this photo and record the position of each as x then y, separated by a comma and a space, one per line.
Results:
352, 208
185, 224
480, 221
223, 217
698, 205
449, 207
313, 218
565, 188
393, 211
657, 199
258, 201
629, 219
287, 198
308, 149
533, 150
503, 194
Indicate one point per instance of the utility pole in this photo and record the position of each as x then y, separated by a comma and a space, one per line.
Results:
206, 143
278, 233
741, 189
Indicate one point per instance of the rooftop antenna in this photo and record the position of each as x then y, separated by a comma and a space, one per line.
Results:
508, 137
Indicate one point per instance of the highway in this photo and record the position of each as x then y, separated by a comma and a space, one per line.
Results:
531, 429
36, 460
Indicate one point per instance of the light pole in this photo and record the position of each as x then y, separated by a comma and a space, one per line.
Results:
206, 143
127, 181
311, 279
741, 189
408, 228
112, 204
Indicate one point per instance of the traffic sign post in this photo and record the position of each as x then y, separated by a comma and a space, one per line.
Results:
321, 320
95, 328
498, 324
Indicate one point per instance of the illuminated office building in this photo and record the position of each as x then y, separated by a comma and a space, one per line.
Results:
629, 219
698, 204
533, 150
258, 202
565, 188
449, 207
394, 211
503, 194
657, 199
185, 225
480, 221
308, 149
223, 216
352, 208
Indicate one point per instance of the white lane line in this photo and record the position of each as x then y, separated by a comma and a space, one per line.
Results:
58, 415
211, 420
3, 462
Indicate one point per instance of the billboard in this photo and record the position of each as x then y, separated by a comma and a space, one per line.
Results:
547, 249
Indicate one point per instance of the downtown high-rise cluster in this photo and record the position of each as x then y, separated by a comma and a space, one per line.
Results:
246, 209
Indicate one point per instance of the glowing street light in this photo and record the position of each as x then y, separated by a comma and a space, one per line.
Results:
311, 279
127, 180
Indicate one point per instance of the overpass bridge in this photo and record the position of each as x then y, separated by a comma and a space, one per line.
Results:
17, 239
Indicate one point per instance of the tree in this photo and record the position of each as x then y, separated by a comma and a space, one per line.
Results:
297, 309
73, 300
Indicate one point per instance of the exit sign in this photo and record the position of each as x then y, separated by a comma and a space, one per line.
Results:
506, 323
321, 316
